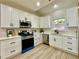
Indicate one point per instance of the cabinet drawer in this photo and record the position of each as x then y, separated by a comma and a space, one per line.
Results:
70, 39
68, 48
71, 48
12, 50
11, 42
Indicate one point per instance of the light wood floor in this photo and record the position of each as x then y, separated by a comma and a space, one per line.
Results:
45, 52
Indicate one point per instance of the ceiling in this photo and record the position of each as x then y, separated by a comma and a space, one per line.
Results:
63, 4
45, 7
31, 4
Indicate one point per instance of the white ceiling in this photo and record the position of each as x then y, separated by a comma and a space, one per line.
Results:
31, 4
61, 3
44, 8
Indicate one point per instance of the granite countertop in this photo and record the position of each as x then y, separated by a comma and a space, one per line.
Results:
6, 38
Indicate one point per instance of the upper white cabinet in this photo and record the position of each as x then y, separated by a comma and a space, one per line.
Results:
58, 19
15, 18
45, 22
9, 17
5, 16
35, 21
58, 14
72, 17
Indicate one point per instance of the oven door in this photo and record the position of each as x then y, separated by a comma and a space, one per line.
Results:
27, 44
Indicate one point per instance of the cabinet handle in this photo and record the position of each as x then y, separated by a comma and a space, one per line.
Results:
11, 24
69, 38
12, 42
54, 39
69, 48
67, 24
69, 42
12, 51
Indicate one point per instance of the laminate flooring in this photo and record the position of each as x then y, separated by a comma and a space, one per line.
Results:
45, 52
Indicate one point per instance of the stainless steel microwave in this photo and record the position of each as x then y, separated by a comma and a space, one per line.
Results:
25, 24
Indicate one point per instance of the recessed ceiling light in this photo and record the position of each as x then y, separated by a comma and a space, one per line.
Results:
55, 6
38, 3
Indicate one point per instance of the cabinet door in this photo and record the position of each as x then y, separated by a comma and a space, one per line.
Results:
21, 15
35, 21
15, 18
58, 41
45, 22
5, 15
72, 17
37, 38
70, 44
51, 40
10, 47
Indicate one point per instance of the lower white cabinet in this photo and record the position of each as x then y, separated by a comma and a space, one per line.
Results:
67, 43
37, 38
55, 41
70, 44
51, 40
10, 47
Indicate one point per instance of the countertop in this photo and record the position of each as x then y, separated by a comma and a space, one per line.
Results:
6, 38
64, 35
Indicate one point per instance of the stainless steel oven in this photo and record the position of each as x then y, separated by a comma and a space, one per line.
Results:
27, 40
27, 43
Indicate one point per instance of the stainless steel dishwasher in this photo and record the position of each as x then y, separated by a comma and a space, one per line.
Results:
46, 39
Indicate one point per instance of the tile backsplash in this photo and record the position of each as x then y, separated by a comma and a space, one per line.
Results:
2, 32
70, 31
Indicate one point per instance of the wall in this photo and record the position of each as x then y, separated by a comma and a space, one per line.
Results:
3, 32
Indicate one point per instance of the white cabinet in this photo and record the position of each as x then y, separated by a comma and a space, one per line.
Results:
5, 15
58, 41
70, 44
10, 47
55, 41
37, 38
58, 14
35, 21
72, 17
51, 40
45, 22
30, 17
9, 17
15, 18
58, 19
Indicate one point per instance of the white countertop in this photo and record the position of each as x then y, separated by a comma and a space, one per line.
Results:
6, 38
64, 35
